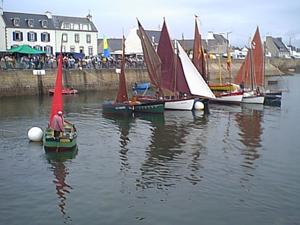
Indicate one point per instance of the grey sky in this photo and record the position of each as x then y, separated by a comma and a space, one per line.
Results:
277, 18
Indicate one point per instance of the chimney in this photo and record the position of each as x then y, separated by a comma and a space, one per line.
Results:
89, 17
48, 14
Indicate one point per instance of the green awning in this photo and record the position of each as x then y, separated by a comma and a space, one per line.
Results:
26, 49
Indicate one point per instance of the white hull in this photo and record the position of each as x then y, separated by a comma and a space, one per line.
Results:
229, 99
253, 98
182, 104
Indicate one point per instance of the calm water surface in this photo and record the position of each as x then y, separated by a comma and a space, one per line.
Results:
238, 165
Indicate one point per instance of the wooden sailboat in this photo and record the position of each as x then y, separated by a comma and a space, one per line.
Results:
251, 72
171, 74
225, 93
67, 139
122, 104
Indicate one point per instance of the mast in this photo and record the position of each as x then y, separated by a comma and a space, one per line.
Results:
175, 68
251, 69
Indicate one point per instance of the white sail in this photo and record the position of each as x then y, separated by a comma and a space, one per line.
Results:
196, 83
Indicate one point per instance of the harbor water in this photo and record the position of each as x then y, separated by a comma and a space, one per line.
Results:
237, 165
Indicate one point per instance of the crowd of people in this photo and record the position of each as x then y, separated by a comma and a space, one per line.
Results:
69, 62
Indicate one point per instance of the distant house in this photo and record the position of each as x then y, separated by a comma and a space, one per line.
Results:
216, 43
35, 30
294, 52
45, 32
276, 48
132, 43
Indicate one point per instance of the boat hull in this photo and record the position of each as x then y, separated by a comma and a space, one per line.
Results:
117, 108
253, 98
273, 99
149, 107
180, 104
228, 99
66, 91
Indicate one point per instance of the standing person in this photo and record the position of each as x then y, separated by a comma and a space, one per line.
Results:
57, 124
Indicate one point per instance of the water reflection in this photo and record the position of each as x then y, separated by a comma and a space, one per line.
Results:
123, 123
169, 141
249, 122
60, 171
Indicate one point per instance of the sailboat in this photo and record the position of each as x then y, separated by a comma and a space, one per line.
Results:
228, 94
67, 139
122, 104
176, 79
251, 73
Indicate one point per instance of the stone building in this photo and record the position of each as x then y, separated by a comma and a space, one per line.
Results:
276, 48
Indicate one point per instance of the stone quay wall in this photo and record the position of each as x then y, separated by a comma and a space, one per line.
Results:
23, 82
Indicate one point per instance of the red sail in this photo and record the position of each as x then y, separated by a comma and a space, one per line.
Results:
57, 103
254, 62
243, 75
258, 59
122, 93
198, 53
172, 75
165, 52
151, 58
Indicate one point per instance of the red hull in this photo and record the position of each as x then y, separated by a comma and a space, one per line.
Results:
65, 91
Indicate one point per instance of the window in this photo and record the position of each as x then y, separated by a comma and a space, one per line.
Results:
77, 38
48, 49
66, 26
38, 47
72, 48
30, 22
31, 36
45, 37
84, 27
65, 37
44, 23
88, 38
17, 36
16, 22
90, 50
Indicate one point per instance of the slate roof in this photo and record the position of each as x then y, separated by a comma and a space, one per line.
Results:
280, 45
58, 20
24, 17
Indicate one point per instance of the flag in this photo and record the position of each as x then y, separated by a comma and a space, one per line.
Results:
106, 52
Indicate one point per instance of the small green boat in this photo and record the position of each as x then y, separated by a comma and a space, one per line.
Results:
65, 142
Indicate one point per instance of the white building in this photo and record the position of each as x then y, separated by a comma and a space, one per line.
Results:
78, 34
45, 32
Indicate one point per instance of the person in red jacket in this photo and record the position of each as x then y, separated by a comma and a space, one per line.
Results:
57, 124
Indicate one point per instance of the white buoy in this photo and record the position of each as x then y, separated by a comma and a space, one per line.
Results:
199, 105
35, 134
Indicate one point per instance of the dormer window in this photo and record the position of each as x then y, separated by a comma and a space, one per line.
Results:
16, 22
66, 26
44, 23
30, 22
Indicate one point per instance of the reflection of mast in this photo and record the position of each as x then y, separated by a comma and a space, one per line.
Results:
60, 172
123, 124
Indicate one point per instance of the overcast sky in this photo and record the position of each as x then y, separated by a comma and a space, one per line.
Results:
278, 18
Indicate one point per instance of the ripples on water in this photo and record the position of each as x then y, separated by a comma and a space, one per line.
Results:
238, 165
